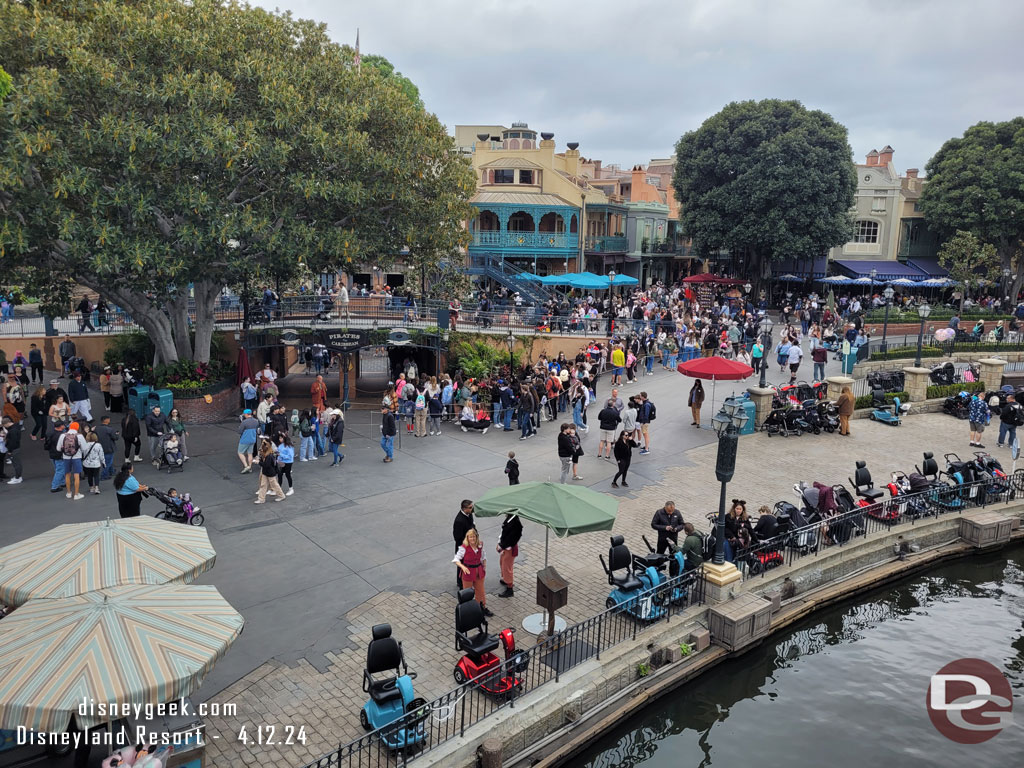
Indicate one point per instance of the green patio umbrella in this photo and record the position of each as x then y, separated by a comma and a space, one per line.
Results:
564, 509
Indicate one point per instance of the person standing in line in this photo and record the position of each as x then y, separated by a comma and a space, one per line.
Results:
108, 438
463, 523
336, 435
12, 437
608, 419
645, 416
435, 410
66, 350
668, 523
318, 393
306, 429
131, 431
508, 551
116, 384
79, 394
695, 400
248, 430
105, 387
156, 425
472, 561
37, 407
512, 469
268, 473
129, 491
623, 456
844, 406
35, 363
285, 459
420, 413
52, 445
388, 430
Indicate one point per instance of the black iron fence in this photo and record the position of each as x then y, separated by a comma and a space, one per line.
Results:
944, 496
430, 724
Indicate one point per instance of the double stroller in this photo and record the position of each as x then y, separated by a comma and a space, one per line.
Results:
887, 381
785, 422
944, 374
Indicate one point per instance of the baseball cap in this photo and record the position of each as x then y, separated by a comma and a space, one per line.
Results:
74, 425
247, 412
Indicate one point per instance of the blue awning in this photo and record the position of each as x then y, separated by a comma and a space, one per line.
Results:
799, 267
930, 267
885, 270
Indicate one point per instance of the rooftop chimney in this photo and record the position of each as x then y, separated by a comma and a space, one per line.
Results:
885, 156
873, 157
911, 173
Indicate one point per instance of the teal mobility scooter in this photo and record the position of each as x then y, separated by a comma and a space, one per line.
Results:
635, 592
391, 695
882, 411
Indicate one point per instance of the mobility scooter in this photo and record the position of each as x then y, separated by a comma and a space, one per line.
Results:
388, 681
676, 562
871, 497
882, 411
641, 576
479, 665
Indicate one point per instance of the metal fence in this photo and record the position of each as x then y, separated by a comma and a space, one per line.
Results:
847, 527
449, 716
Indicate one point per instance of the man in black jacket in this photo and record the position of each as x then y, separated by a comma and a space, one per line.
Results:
508, 550
668, 523
463, 522
156, 425
608, 419
108, 437
52, 446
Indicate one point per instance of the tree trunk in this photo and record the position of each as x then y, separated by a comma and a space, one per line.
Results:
178, 309
206, 294
149, 315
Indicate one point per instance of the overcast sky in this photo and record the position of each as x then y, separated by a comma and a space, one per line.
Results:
627, 78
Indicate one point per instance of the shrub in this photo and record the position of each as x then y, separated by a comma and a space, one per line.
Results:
133, 349
908, 353
948, 390
865, 401
188, 374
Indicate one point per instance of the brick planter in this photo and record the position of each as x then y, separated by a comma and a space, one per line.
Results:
195, 410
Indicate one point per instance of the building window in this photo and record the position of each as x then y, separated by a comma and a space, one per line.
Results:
917, 207
878, 204
865, 231
526, 177
504, 176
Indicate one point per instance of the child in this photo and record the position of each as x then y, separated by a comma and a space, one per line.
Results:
172, 450
512, 469
173, 494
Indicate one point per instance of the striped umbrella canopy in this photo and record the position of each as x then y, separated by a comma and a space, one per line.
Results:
836, 280
126, 645
82, 557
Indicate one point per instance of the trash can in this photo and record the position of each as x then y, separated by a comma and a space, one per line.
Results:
162, 397
751, 410
137, 399
849, 361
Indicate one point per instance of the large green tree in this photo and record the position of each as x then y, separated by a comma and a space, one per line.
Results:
152, 145
976, 183
969, 261
766, 180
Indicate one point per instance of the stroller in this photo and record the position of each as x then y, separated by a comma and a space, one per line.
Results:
828, 415
910, 501
798, 523
77, 365
775, 423
958, 405
178, 509
171, 456
324, 309
944, 374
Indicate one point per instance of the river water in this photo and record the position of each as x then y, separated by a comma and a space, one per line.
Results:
847, 688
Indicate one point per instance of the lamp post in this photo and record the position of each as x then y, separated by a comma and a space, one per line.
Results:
766, 342
511, 341
727, 424
923, 311
888, 293
873, 274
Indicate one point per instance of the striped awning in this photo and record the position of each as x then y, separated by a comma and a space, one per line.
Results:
77, 558
127, 645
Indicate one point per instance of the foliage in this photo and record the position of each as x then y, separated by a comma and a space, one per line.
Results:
387, 69
155, 144
948, 390
866, 401
133, 349
974, 184
766, 180
938, 314
379, 336
907, 353
968, 260
188, 374
685, 649
643, 669
5, 84
477, 356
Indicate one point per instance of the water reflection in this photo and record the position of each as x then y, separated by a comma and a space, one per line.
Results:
850, 683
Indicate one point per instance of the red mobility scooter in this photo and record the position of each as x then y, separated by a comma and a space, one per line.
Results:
479, 665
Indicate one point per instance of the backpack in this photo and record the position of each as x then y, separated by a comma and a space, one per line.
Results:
652, 411
69, 445
305, 428
421, 402
1016, 415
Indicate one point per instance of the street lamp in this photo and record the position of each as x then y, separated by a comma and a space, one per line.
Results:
611, 300
766, 342
727, 424
511, 341
923, 311
873, 273
888, 293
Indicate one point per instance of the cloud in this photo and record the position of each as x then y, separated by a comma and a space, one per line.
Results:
627, 79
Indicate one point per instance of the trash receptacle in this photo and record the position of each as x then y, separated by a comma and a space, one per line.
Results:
849, 361
751, 410
162, 397
137, 399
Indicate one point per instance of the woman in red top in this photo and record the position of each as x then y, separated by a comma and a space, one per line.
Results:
471, 560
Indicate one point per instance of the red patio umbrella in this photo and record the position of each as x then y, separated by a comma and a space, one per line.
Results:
707, 277
714, 368
243, 369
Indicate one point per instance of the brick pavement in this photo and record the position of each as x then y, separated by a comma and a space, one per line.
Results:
327, 700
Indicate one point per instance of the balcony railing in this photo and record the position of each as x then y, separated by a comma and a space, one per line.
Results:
606, 244
525, 239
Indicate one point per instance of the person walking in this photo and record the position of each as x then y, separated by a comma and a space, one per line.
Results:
796, 354
248, 430
306, 430
177, 426
695, 400
463, 523
508, 551
668, 523
285, 459
608, 420
71, 445
1010, 417
108, 438
472, 561
37, 407
129, 491
646, 414
623, 456
512, 469
388, 430
844, 406
92, 462
268, 473
12, 437
978, 414
35, 363
819, 356
131, 432
336, 434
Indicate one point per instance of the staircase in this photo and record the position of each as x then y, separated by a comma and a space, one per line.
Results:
498, 269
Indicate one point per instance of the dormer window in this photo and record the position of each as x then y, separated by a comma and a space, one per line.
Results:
526, 177
504, 176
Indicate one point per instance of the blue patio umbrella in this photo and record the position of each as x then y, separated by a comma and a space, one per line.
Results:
529, 276
556, 279
836, 280
904, 282
625, 280
789, 278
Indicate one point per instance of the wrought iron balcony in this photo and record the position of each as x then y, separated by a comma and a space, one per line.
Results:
606, 244
497, 239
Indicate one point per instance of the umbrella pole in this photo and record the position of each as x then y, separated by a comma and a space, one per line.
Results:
547, 532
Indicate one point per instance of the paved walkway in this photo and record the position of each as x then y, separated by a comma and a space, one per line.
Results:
368, 542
